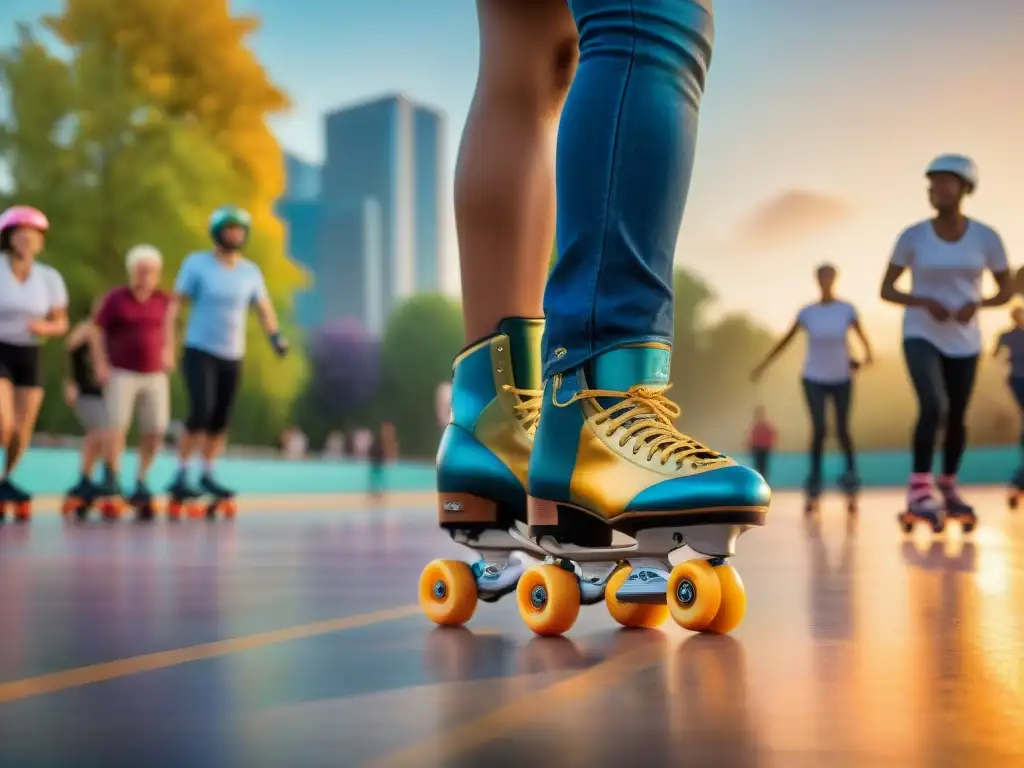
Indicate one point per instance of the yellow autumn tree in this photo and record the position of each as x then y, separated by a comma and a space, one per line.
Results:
157, 116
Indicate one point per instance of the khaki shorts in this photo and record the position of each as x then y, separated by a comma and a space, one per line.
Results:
145, 395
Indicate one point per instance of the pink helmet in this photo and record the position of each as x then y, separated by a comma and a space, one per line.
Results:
23, 216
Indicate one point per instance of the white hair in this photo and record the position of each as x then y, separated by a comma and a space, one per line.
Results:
141, 254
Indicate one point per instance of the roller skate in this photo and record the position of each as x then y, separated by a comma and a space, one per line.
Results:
180, 497
1016, 489
812, 496
922, 507
80, 499
615, 489
14, 501
955, 506
849, 486
142, 502
482, 465
111, 503
218, 499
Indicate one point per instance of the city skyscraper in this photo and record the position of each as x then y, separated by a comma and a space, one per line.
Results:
389, 150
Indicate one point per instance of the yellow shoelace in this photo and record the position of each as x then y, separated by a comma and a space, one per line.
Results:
645, 413
528, 408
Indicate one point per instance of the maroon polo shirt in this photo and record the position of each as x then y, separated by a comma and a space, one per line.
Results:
134, 330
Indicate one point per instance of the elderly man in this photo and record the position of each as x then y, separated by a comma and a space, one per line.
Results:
132, 360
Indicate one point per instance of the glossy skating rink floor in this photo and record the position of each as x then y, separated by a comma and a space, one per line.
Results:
291, 638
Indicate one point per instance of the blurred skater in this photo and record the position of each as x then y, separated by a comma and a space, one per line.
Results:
84, 394
1010, 345
383, 450
761, 441
133, 359
221, 285
947, 256
33, 307
827, 375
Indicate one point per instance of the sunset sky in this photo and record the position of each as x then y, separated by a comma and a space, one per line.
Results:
819, 118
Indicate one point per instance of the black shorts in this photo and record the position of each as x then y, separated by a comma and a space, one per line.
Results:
212, 384
20, 365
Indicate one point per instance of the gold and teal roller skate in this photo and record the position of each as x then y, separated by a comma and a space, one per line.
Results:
482, 466
615, 489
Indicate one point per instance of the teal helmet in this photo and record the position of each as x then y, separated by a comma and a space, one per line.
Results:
228, 216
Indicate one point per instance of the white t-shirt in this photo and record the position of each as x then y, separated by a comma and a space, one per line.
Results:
949, 273
22, 303
828, 354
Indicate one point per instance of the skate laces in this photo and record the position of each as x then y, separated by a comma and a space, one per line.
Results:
648, 416
528, 407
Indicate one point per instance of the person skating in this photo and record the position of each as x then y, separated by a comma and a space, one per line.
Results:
947, 256
605, 454
827, 376
761, 441
33, 308
1010, 344
132, 361
220, 285
84, 394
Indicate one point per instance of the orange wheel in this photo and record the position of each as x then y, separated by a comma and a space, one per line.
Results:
448, 593
694, 595
173, 510
195, 511
734, 601
631, 614
549, 599
23, 512
230, 508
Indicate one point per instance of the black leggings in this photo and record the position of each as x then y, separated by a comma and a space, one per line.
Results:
212, 384
817, 396
943, 385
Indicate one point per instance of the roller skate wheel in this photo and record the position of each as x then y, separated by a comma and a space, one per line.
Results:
23, 512
448, 592
174, 510
631, 614
693, 595
229, 508
195, 511
549, 599
733, 605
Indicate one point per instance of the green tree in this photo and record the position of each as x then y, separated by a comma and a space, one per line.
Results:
421, 340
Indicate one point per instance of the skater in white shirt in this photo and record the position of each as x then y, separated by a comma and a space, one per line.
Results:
827, 375
947, 256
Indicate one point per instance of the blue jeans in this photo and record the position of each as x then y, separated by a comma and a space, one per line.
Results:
625, 156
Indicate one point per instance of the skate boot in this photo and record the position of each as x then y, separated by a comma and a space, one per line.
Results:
221, 499
79, 498
812, 495
615, 488
955, 506
849, 485
180, 497
141, 501
482, 465
922, 506
15, 501
1016, 488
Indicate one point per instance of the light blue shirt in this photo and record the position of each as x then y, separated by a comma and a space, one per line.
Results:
221, 297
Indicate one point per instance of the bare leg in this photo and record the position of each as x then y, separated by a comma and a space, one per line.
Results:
92, 448
27, 401
6, 414
504, 178
212, 447
149, 446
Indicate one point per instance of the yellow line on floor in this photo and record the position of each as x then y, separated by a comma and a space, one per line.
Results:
111, 670
448, 744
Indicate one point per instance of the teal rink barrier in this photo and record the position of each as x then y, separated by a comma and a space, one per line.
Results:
54, 470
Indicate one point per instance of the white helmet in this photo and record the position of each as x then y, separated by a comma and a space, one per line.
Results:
141, 254
958, 165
